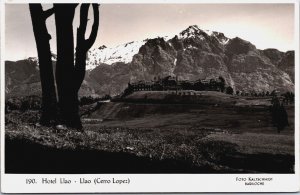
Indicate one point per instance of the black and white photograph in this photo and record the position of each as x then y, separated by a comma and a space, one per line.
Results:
162, 88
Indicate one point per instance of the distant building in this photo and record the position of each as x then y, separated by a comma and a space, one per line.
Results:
172, 83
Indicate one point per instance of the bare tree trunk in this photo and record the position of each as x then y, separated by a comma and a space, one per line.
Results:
64, 14
42, 37
69, 76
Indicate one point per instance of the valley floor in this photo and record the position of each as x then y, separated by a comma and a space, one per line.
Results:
127, 137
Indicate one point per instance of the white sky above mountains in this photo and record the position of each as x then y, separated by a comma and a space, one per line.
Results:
264, 25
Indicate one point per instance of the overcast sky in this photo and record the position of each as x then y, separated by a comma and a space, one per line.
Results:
265, 25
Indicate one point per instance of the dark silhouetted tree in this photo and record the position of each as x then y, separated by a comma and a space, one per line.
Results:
70, 75
279, 114
222, 84
42, 37
229, 90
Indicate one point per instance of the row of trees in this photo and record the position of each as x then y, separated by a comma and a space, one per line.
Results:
34, 102
60, 93
287, 97
256, 94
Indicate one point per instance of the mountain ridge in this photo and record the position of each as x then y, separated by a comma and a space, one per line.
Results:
192, 54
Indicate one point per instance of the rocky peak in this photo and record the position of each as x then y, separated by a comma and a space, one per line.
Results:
156, 44
195, 32
192, 32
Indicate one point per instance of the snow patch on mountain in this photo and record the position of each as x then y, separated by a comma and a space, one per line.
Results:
209, 32
121, 53
220, 37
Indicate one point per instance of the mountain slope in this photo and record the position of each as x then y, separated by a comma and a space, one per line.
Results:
22, 78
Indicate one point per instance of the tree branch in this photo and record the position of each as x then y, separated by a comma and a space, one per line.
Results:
91, 40
84, 45
84, 8
48, 13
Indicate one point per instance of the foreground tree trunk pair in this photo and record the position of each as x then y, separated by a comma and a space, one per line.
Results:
69, 72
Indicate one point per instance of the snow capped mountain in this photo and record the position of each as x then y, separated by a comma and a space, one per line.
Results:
194, 31
121, 53
125, 52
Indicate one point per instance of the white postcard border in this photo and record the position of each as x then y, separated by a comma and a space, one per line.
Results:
16, 183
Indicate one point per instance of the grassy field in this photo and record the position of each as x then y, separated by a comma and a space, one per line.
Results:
223, 134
